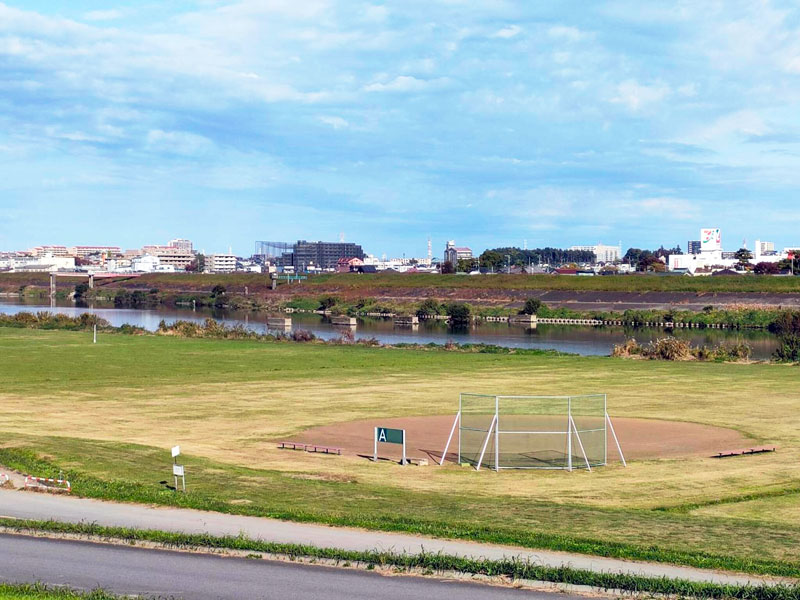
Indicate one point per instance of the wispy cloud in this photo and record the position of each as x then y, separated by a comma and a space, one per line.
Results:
576, 120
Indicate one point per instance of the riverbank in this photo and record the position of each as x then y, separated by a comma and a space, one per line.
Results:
585, 340
227, 403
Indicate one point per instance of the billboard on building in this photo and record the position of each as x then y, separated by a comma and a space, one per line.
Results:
710, 239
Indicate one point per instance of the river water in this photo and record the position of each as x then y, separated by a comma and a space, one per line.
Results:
565, 338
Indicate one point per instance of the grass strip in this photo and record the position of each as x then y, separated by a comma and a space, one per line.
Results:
27, 461
20, 591
512, 568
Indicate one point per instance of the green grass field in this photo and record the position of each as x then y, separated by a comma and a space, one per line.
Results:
108, 414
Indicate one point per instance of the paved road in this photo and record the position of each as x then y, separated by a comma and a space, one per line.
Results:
160, 573
26, 505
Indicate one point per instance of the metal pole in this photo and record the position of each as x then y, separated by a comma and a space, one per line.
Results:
450, 437
486, 443
94, 329
569, 434
497, 435
580, 443
375, 447
614, 433
605, 431
404, 447
459, 428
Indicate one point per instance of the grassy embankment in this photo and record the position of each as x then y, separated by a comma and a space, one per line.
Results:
108, 413
258, 283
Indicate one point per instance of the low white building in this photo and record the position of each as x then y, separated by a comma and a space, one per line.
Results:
45, 263
147, 263
220, 263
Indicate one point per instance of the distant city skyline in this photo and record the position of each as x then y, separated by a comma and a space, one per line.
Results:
227, 122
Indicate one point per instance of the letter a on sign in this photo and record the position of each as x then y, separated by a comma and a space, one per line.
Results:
382, 435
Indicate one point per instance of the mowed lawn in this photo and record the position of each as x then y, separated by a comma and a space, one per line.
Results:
113, 410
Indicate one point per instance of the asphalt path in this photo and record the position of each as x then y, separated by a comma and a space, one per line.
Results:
28, 505
160, 573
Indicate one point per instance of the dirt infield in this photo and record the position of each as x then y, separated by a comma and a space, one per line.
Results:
426, 437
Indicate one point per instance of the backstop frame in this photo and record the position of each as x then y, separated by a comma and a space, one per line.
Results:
494, 432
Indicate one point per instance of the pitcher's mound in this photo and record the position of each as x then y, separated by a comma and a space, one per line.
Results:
426, 437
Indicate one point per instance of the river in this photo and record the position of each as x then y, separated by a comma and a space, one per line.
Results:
586, 341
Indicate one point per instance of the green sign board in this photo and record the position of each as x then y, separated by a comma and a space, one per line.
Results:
390, 436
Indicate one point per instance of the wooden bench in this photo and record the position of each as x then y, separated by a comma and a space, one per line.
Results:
310, 447
325, 449
292, 445
745, 451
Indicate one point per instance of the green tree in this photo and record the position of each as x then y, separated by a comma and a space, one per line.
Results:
80, 290
429, 308
218, 290
532, 306
198, 265
491, 259
459, 313
743, 255
328, 302
467, 265
448, 268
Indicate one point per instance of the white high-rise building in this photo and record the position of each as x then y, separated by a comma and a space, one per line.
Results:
602, 253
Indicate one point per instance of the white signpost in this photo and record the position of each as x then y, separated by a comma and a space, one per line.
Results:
386, 435
178, 470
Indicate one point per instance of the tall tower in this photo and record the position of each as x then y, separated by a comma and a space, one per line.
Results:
430, 251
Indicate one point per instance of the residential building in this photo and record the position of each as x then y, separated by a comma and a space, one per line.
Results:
84, 251
602, 252
345, 265
220, 263
453, 253
181, 244
51, 250
319, 255
169, 255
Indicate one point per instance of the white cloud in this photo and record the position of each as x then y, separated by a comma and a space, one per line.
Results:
178, 142
571, 34
335, 122
742, 122
507, 32
636, 96
405, 83
376, 13
675, 208
104, 15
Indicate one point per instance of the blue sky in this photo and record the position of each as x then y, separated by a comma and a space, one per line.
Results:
485, 122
